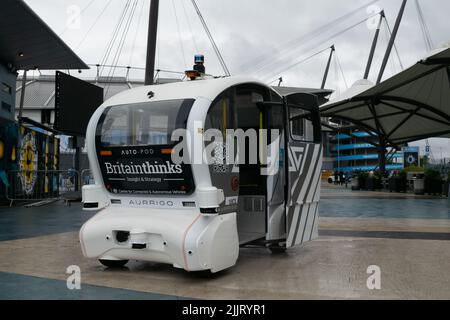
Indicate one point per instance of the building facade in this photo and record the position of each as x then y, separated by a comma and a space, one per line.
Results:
352, 151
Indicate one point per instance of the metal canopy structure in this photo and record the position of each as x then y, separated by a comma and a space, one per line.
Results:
410, 106
26, 42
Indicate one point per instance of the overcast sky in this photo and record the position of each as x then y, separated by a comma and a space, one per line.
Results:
260, 38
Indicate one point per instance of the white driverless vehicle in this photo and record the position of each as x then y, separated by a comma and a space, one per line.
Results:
195, 215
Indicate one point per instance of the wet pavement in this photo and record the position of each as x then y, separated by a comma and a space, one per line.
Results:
20, 222
342, 202
406, 236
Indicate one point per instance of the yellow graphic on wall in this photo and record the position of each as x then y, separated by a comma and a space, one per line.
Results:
46, 166
28, 163
55, 153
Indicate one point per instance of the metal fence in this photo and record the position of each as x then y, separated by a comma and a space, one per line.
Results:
86, 177
41, 184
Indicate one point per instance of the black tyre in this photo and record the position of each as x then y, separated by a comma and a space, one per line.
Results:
113, 263
277, 250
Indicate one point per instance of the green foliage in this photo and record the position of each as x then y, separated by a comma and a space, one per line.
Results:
432, 174
413, 169
363, 175
403, 174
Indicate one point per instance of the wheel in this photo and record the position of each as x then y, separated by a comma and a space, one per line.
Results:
330, 181
277, 250
113, 263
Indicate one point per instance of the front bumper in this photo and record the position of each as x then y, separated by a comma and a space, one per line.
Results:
183, 237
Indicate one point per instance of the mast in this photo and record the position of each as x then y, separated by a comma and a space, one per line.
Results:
151, 42
327, 69
374, 46
392, 40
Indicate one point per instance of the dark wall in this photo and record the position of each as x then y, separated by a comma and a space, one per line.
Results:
66, 161
7, 93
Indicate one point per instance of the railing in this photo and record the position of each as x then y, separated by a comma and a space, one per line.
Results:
86, 177
40, 185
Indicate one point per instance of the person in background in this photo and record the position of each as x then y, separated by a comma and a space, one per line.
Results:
341, 178
72, 174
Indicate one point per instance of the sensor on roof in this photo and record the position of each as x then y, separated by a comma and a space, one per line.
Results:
199, 61
198, 69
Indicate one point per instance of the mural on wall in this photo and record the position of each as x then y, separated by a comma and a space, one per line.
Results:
28, 161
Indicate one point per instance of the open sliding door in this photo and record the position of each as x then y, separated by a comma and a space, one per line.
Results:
304, 158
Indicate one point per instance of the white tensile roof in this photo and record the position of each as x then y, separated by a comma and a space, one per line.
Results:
412, 105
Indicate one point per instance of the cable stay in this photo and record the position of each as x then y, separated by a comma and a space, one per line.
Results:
118, 39
121, 44
336, 77
211, 39
136, 32
123, 35
194, 42
94, 24
128, 67
321, 42
338, 62
299, 63
183, 53
288, 47
424, 27
387, 35
81, 12
386, 22
114, 36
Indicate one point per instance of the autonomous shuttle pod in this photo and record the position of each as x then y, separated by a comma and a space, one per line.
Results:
228, 190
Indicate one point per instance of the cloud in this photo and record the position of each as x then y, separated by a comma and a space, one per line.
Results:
252, 33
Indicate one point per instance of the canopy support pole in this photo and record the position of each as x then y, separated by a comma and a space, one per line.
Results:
392, 41
327, 69
448, 74
151, 42
22, 95
382, 156
77, 162
374, 46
